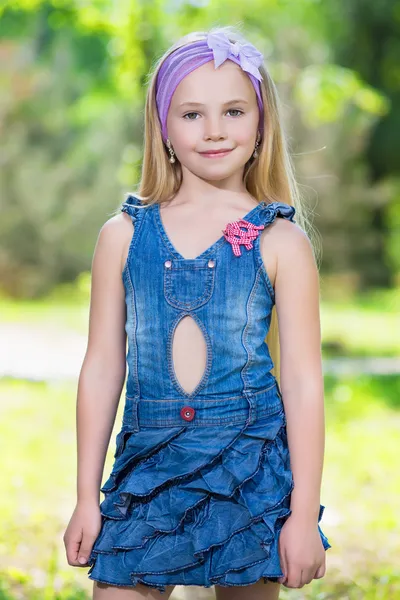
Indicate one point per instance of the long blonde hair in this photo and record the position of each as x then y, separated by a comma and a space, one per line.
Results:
269, 177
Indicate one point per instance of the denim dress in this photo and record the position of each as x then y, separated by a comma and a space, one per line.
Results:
201, 481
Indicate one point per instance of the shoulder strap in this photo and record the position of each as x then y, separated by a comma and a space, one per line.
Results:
131, 206
278, 209
135, 208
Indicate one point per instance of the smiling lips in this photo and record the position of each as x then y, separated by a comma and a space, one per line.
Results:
215, 153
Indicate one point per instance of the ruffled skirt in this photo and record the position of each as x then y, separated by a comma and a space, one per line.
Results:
197, 505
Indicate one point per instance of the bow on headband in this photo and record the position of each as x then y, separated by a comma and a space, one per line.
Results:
249, 57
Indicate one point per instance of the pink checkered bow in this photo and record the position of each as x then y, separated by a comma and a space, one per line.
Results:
235, 235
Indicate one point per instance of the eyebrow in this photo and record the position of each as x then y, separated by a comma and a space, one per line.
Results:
237, 100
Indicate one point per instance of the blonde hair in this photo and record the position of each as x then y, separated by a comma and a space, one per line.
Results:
270, 177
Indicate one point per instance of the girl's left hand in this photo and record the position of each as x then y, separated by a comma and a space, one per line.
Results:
301, 552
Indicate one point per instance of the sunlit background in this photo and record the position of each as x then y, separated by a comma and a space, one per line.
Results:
73, 80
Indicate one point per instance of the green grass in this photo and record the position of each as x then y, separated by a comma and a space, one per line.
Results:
350, 330
360, 490
66, 307
362, 324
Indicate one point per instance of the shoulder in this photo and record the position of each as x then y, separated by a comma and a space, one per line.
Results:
294, 260
113, 241
282, 231
114, 229
121, 225
284, 245
285, 233
289, 242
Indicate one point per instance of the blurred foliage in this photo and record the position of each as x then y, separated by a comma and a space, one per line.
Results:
73, 80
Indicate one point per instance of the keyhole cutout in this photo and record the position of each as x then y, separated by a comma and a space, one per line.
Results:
189, 353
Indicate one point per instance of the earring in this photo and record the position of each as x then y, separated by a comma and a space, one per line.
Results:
255, 153
171, 151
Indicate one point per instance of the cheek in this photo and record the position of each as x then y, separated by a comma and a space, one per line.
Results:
182, 134
245, 137
244, 130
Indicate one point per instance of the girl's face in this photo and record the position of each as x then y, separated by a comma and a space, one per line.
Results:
214, 109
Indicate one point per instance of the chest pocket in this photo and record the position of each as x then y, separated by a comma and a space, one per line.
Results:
188, 283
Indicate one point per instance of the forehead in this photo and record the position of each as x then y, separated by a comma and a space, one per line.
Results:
206, 84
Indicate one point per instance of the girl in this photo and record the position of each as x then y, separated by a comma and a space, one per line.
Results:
217, 472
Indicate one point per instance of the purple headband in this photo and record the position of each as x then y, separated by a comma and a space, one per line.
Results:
185, 59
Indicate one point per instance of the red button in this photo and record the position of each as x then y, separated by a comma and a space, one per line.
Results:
187, 413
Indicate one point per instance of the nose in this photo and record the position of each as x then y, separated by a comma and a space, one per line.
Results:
214, 129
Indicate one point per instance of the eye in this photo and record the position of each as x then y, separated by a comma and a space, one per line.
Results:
191, 113
235, 110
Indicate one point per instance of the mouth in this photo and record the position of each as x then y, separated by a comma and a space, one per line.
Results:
216, 153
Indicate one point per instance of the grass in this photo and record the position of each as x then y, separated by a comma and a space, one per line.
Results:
360, 487
362, 324
67, 307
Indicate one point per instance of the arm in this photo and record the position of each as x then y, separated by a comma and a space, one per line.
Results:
291, 264
302, 384
103, 371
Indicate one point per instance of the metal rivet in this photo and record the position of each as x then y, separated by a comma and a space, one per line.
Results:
168, 264
211, 263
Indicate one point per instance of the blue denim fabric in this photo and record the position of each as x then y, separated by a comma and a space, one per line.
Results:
197, 500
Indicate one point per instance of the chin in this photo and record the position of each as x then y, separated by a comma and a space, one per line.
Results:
216, 175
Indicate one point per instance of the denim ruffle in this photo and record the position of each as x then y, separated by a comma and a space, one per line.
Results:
132, 205
273, 210
179, 511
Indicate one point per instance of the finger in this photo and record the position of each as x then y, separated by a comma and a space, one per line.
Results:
307, 575
72, 550
283, 561
293, 578
85, 550
320, 572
